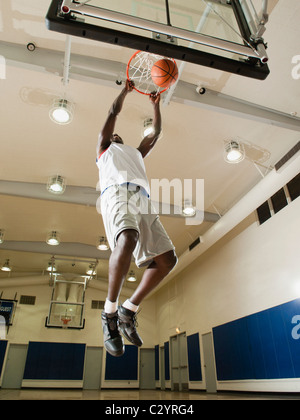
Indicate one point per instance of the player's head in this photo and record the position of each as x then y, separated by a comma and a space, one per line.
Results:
117, 139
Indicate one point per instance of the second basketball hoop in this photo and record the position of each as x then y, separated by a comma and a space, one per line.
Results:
140, 70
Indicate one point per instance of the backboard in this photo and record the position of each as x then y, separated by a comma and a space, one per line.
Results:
220, 34
67, 304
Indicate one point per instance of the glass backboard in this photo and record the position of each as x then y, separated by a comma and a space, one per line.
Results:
221, 34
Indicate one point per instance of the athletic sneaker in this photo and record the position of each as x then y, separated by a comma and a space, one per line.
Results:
127, 325
113, 342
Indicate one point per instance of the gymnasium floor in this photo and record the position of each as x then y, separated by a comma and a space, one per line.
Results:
133, 395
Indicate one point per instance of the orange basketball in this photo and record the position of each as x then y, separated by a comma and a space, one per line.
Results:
164, 73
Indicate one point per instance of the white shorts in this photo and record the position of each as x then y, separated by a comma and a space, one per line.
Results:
126, 207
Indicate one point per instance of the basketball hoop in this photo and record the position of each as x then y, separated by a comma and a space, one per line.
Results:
65, 321
139, 71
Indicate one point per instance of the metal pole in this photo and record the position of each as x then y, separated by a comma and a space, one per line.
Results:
67, 61
156, 27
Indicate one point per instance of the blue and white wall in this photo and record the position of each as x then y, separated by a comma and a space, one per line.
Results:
237, 282
245, 290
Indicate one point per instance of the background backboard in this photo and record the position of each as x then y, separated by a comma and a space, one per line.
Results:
224, 35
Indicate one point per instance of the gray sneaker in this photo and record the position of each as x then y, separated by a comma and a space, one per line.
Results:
127, 325
113, 342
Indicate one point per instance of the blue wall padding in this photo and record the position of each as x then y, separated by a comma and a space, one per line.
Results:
265, 345
157, 363
3, 346
194, 358
124, 368
55, 361
167, 361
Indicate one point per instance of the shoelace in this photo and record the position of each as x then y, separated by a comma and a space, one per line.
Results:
134, 318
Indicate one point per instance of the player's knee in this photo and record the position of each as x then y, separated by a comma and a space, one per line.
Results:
128, 239
169, 261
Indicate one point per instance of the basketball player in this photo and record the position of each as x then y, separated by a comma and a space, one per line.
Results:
131, 224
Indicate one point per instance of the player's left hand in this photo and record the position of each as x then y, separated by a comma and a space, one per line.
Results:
129, 85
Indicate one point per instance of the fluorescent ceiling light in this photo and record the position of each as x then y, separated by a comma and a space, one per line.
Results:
62, 111
91, 271
56, 184
234, 152
1, 236
102, 244
131, 277
188, 209
53, 239
147, 127
6, 266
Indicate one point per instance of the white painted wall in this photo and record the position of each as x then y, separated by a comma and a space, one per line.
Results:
29, 321
253, 268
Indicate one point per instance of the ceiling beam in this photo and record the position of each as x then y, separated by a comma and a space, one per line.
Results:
107, 72
86, 196
67, 249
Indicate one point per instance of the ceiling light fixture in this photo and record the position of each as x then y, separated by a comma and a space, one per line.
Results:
91, 271
188, 209
147, 127
51, 267
1, 236
62, 111
53, 239
234, 152
6, 266
131, 277
56, 184
102, 244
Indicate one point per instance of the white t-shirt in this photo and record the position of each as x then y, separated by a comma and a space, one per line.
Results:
120, 164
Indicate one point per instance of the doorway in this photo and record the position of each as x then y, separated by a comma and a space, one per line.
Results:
93, 368
179, 363
147, 369
209, 364
15, 366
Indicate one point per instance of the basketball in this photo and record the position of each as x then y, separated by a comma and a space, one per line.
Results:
164, 73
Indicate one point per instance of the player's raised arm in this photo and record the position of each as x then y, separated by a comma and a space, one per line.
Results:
149, 141
105, 136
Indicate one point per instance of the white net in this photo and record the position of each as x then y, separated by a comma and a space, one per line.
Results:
139, 71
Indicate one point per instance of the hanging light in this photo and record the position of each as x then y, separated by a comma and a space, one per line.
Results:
102, 244
6, 266
51, 267
188, 209
91, 271
56, 184
62, 111
53, 239
131, 277
147, 127
234, 152
1, 236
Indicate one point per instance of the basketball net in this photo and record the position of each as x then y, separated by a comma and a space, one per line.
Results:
65, 321
139, 71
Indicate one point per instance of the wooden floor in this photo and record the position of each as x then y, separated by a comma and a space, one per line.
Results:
132, 395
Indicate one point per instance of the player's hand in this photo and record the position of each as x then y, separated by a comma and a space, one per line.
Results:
129, 85
155, 98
